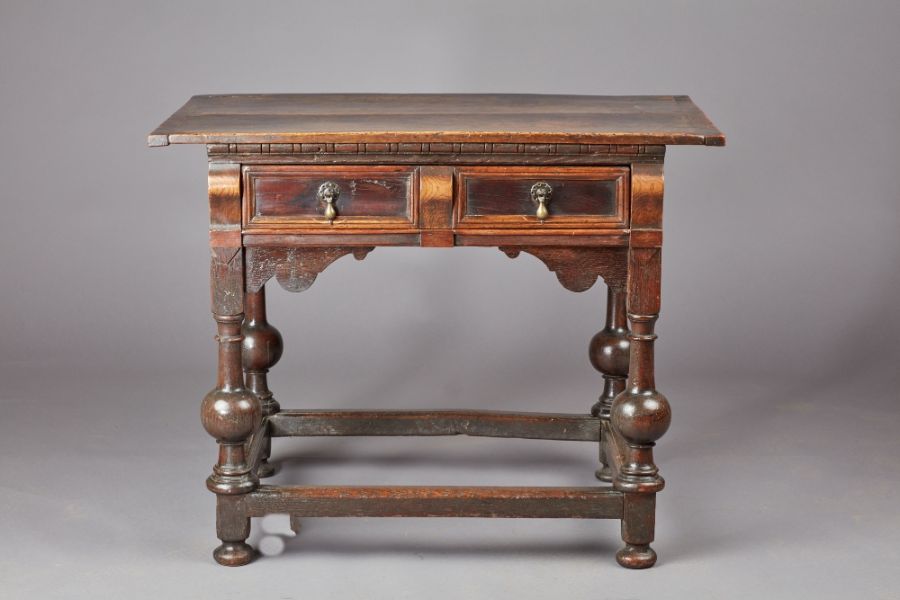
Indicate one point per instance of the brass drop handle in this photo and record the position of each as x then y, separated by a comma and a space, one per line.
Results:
540, 195
328, 193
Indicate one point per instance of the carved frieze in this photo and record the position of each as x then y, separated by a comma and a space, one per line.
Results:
433, 148
578, 268
295, 269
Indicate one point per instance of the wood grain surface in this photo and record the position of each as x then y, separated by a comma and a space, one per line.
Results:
474, 118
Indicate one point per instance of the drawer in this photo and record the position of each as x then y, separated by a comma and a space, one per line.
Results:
329, 197
542, 197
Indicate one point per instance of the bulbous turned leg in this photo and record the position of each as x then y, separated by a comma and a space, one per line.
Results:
640, 415
608, 352
230, 413
261, 349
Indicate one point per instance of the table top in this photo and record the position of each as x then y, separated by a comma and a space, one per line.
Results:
382, 118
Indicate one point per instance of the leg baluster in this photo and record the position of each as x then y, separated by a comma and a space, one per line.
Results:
261, 349
609, 354
230, 413
640, 414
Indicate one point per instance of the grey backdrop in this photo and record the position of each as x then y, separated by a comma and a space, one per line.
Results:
778, 338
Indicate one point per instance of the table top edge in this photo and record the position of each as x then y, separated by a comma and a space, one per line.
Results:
248, 119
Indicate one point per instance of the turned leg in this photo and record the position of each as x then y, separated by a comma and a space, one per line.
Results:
638, 526
640, 414
609, 355
261, 349
230, 413
233, 528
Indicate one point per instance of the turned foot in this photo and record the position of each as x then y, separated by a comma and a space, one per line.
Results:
636, 556
233, 554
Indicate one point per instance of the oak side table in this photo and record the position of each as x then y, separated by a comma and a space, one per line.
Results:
296, 181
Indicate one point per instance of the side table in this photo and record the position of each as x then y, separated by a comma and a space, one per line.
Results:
296, 181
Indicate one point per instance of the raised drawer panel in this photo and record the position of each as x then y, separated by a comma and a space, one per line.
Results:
362, 197
573, 197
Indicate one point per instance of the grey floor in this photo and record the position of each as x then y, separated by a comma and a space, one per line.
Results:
774, 491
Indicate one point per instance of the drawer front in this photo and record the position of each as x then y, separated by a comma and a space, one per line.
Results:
329, 197
542, 197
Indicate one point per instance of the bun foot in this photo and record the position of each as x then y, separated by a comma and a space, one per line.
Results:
233, 554
636, 556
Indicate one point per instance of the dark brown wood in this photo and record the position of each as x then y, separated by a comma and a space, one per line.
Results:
640, 414
260, 350
578, 238
609, 351
257, 446
233, 528
378, 153
348, 239
612, 449
369, 197
578, 268
295, 269
498, 197
542, 426
385, 119
638, 528
226, 268
226, 264
297, 181
554, 159
412, 501
230, 413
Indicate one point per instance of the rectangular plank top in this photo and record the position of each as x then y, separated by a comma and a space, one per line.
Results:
388, 118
